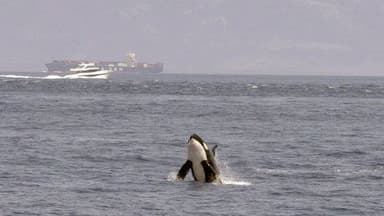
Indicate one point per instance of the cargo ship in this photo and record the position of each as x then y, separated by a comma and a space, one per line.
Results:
128, 66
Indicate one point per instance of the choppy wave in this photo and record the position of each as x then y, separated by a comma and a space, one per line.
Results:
69, 141
56, 84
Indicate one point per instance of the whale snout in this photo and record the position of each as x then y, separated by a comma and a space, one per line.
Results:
196, 151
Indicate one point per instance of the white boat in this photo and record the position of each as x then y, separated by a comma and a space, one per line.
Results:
88, 70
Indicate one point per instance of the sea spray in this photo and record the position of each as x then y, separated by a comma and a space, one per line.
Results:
228, 176
172, 176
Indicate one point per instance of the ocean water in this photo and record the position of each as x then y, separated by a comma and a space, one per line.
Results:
286, 145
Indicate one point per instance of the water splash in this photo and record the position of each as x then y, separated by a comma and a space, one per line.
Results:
228, 177
234, 181
172, 176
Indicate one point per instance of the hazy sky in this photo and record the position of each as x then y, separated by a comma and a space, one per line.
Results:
339, 37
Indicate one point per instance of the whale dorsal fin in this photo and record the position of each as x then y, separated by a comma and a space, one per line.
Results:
214, 150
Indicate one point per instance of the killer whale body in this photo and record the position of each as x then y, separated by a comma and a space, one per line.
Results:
201, 161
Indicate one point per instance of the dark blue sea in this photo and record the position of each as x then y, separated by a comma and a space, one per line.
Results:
287, 145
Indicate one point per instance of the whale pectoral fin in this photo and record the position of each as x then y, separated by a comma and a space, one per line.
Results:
214, 150
210, 173
184, 170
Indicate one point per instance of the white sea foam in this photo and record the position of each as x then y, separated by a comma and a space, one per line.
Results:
172, 176
230, 181
15, 76
228, 177
253, 86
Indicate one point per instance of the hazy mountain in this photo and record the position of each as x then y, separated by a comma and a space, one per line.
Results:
199, 36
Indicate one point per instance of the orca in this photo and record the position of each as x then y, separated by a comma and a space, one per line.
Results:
201, 161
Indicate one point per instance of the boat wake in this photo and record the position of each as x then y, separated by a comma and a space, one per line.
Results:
54, 77
15, 76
